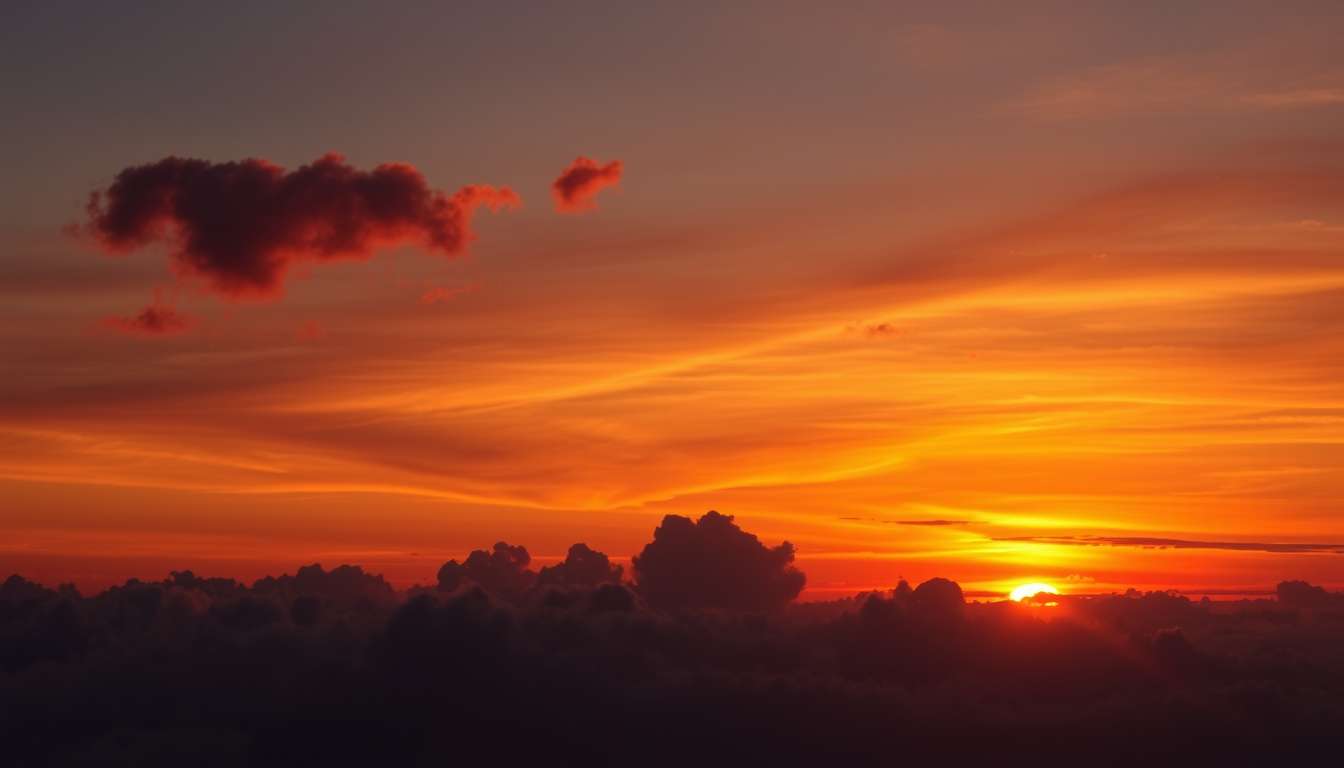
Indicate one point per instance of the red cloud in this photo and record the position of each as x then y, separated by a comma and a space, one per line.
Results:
242, 224
437, 294
577, 187
154, 320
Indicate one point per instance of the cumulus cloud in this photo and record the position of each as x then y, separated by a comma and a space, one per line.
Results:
344, 585
502, 571
582, 567
577, 187
241, 225
713, 564
154, 320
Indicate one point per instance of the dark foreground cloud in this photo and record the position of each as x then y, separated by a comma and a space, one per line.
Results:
577, 187
1160, 543
336, 667
713, 564
502, 571
582, 567
241, 225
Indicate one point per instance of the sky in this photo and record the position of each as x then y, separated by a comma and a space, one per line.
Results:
998, 292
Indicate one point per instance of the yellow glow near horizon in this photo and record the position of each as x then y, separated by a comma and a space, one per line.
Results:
1031, 590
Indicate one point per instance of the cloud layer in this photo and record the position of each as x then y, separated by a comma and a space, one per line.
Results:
241, 225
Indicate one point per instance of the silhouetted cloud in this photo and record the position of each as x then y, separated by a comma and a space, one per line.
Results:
582, 567
153, 320
938, 597
502, 571
345, 586
1148, 542
713, 564
577, 187
1300, 594
241, 225
258, 678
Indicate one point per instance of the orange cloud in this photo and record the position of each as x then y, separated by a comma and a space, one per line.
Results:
576, 189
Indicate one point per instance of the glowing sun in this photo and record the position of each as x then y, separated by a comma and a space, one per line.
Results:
1029, 590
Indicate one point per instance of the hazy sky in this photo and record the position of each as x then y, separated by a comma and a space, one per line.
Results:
1045, 273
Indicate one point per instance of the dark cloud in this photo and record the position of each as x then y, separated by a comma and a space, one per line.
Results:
1160, 543
577, 187
241, 225
582, 567
207, 671
343, 588
153, 320
502, 571
713, 564
939, 597
1300, 594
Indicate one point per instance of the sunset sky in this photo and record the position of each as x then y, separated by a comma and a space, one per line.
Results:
1002, 292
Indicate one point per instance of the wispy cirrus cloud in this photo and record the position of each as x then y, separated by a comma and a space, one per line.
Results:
1152, 542
1173, 84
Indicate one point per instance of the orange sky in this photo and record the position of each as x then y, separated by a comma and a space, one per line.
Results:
1097, 293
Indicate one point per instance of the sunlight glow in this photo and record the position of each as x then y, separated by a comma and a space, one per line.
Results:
1031, 590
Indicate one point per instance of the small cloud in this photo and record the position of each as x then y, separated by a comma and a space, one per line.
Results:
439, 294
933, 522
154, 320
577, 187
310, 331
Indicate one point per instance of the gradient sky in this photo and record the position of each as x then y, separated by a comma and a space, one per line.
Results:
1065, 278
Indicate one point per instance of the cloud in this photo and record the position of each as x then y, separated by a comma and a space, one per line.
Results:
241, 225
938, 597
582, 567
713, 564
154, 320
576, 189
310, 330
310, 661
440, 293
933, 522
1173, 85
1159, 543
344, 585
502, 571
